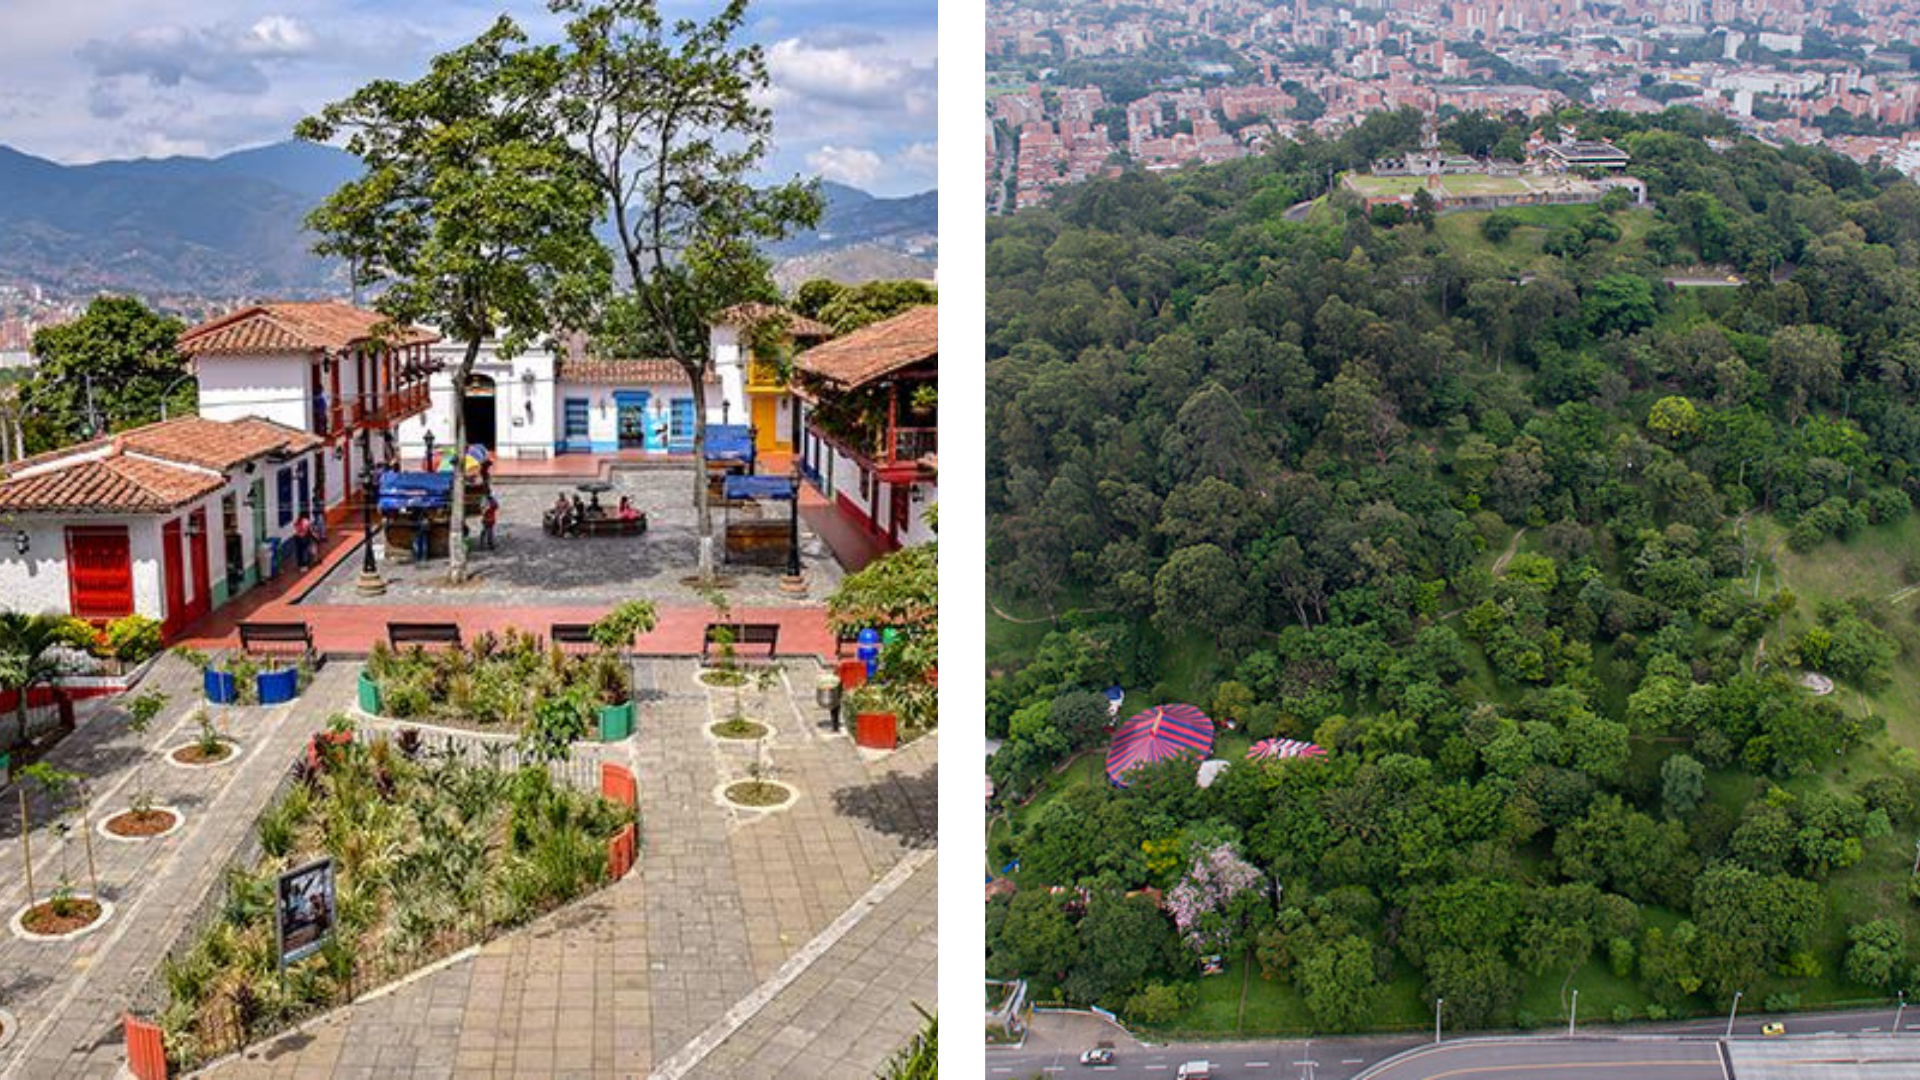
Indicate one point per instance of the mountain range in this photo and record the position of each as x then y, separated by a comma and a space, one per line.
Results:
230, 227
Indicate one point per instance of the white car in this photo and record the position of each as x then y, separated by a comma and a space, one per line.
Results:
1099, 1055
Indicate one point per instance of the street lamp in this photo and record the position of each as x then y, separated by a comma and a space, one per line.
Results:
793, 583
1731, 1013
168, 392
370, 583
1898, 1012
1437, 1002
1573, 1012
427, 461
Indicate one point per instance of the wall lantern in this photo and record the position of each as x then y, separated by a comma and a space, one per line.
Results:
340, 452
253, 499
326, 363
194, 528
21, 541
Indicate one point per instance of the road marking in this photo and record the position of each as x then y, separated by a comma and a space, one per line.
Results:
1475, 1070
1353, 1061
1870, 1029
1258, 1064
1054, 1068
1828, 1032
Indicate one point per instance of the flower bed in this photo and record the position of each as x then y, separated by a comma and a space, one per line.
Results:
738, 728
201, 754
759, 794
432, 853
499, 682
61, 917
142, 824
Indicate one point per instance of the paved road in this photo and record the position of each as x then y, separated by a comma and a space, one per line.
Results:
1543, 1059
1055, 1052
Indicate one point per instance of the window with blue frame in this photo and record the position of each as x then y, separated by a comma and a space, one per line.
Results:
283, 487
574, 435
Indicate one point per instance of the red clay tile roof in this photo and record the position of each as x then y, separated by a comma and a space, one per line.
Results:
146, 470
116, 485
747, 315
215, 444
873, 351
626, 372
290, 326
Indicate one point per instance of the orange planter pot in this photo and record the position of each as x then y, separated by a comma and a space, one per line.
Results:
876, 731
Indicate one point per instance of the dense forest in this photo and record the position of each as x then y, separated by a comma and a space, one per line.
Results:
1488, 509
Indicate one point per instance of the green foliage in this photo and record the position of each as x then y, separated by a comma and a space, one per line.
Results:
617, 628
1877, 951
1281, 468
120, 349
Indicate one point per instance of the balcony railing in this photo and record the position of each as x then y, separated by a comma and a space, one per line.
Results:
764, 375
912, 444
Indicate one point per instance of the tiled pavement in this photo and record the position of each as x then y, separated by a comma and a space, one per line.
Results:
618, 984
68, 996
854, 1006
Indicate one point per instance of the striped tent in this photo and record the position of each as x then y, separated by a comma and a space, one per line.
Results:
1274, 749
1160, 733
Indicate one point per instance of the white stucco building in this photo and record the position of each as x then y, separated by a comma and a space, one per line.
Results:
881, 476
551, 401
170, 520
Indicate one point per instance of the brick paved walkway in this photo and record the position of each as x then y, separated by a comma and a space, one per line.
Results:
617, 984
68, 996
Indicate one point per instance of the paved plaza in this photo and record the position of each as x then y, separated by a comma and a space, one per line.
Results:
732, 950
530, 567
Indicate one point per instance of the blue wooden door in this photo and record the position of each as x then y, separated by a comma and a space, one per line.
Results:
574, 437
680, 438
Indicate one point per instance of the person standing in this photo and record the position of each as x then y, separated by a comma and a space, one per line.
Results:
420, 535
303, 540
489, 515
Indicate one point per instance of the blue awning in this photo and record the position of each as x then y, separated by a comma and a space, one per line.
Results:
758, 487
729, 442
402, 491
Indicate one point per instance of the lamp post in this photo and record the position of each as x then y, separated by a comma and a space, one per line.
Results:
1437, 1002
168, 392
1735, 1011
793, 582
1573, 1012
1899, 1012
370, 582
426, 461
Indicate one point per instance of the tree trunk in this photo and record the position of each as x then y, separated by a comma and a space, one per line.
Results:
457, 523
702, 501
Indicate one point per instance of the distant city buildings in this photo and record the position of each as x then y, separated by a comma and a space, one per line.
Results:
1227, 78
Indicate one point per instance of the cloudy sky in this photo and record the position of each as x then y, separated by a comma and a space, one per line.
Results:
84, 80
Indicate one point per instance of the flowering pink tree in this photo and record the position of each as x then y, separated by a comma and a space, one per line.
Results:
1217, 898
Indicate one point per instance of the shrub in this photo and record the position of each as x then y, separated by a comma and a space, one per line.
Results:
133, 639
1160, 1003
1622, 1013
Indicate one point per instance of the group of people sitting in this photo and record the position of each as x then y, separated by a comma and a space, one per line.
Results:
570, 517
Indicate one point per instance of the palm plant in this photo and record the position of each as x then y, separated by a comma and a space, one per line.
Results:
30, 657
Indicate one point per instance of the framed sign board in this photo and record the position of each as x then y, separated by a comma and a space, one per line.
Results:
304, 910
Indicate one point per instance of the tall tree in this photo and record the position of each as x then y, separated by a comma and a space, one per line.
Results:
105, 371
672, 122
475, 212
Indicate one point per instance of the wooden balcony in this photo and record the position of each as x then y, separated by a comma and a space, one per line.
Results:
764, 375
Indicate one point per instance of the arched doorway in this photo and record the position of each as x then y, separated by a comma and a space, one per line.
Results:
477, 409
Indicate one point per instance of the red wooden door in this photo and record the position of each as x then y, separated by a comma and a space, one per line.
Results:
99, 572
173, 568
202, 601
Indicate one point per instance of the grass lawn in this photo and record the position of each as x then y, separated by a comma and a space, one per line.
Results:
1520, 251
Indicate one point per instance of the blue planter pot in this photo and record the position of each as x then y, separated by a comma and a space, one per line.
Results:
277, 686
220, 687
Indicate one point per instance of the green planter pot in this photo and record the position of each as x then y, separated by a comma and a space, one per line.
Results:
616, 721
369, 695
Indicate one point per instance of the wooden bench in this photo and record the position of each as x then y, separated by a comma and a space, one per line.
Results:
402, 634
570, 637
610, 525
279, 639
762, 542
751, 635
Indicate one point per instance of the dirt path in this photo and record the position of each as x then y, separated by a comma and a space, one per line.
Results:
1513, 545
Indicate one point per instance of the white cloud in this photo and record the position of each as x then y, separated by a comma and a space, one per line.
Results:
840, 74
921, 157
846, 164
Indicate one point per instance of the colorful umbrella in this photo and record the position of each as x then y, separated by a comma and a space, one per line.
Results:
1273, 749
1160, 733
477, 452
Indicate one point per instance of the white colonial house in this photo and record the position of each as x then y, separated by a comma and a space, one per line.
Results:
869, 424
170, 520
334, 371
564, 400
